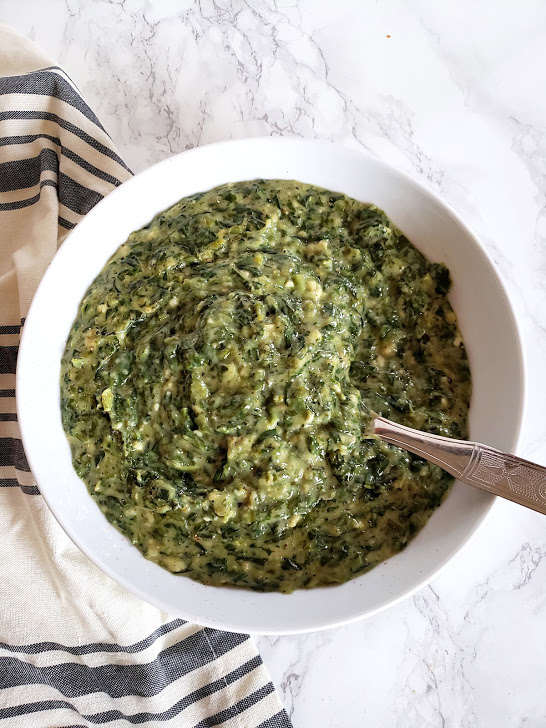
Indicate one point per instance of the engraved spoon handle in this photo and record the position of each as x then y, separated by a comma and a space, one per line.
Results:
472, 463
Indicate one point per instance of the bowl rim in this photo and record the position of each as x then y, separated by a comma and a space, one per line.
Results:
106, 567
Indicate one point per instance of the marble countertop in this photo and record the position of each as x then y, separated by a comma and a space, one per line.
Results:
453, 93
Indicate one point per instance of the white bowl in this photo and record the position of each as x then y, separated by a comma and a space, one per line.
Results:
478, 297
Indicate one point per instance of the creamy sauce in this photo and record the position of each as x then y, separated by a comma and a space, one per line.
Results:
221, 375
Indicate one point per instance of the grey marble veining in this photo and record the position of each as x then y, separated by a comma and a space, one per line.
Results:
452, 93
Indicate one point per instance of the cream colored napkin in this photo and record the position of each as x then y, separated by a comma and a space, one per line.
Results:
77, 649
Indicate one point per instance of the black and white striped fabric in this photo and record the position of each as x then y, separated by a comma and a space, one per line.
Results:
75, 648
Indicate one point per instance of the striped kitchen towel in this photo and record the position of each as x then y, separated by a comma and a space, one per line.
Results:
76, 649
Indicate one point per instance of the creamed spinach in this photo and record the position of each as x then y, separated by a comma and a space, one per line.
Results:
219, 382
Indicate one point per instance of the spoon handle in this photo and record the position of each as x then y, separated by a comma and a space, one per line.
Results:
472, 463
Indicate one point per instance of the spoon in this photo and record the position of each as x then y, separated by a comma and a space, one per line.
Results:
484, 467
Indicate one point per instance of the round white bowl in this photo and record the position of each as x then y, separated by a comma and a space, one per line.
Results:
478, 297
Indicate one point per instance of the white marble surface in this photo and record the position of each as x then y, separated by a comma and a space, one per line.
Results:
455, 93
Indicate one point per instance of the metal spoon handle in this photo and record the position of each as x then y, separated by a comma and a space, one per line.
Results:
474, 464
